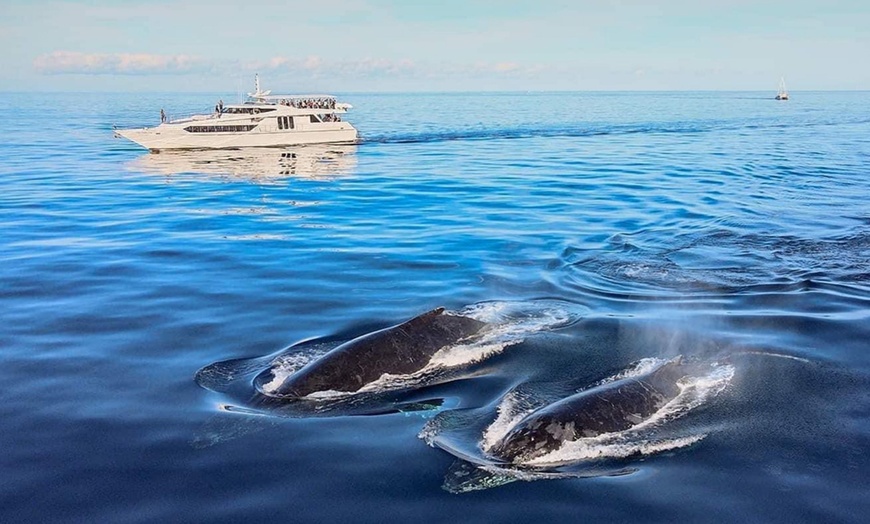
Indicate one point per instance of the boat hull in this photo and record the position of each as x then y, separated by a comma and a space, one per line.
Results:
168, 137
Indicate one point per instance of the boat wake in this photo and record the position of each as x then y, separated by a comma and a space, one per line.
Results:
579, 131
509, 133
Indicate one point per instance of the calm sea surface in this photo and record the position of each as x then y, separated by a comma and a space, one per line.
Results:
598, 229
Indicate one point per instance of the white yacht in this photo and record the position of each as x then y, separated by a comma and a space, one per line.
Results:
264, 120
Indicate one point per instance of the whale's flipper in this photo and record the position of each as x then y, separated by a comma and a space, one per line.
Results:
223, 427
420, 405
462, 477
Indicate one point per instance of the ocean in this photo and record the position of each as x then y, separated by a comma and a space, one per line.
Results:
602, 234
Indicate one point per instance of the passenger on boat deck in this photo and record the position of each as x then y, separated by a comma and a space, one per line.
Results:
162, 116
217, 110
221, 105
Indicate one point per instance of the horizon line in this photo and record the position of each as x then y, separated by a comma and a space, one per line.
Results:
458, 91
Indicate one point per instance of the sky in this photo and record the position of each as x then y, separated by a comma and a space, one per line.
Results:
438, 45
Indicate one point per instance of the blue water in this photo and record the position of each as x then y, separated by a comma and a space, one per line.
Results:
724, 227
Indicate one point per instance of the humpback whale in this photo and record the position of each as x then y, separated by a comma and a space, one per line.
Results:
397, 350
608, 408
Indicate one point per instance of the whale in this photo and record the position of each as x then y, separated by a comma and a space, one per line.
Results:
608, 408
398, 350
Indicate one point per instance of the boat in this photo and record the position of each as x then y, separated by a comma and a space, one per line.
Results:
263, 120
782, 94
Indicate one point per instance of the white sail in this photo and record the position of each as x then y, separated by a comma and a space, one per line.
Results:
782, 94
257, 94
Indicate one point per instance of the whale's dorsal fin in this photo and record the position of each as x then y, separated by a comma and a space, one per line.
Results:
423, 319
671, 371
429, 315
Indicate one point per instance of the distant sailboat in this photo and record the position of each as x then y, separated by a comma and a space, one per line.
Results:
782, 94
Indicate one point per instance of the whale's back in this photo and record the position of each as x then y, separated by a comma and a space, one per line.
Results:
609, 408
398, 350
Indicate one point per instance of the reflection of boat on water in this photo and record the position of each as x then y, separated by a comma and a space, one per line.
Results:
782, 94
314, 161
265, 120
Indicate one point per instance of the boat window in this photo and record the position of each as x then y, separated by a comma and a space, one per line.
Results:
247, 110
315, 119
220, 129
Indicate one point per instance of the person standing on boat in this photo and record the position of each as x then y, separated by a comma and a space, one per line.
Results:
162, 116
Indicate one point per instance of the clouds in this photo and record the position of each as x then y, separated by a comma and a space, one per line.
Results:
71, 62
316, 66
77, 63
453, 44
318, 73
388, 45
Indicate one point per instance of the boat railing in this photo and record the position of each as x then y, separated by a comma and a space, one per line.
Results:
194, 117
199, 117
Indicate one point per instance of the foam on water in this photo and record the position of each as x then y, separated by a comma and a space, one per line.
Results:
611, 446
641, 367
531, 314
509, 324
287, 364
511, 410
775, 355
